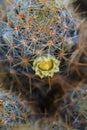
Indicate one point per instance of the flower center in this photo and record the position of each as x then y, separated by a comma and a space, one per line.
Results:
46, 65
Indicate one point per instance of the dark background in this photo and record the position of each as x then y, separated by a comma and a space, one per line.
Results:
82, 6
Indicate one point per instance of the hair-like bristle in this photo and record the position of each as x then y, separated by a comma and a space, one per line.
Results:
82, 7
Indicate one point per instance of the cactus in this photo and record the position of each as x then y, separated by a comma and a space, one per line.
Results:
27, 40
12, 111
36, 29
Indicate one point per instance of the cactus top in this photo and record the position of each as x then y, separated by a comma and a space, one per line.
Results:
37, 28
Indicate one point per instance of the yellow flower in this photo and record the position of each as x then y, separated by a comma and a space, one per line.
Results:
46, 66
